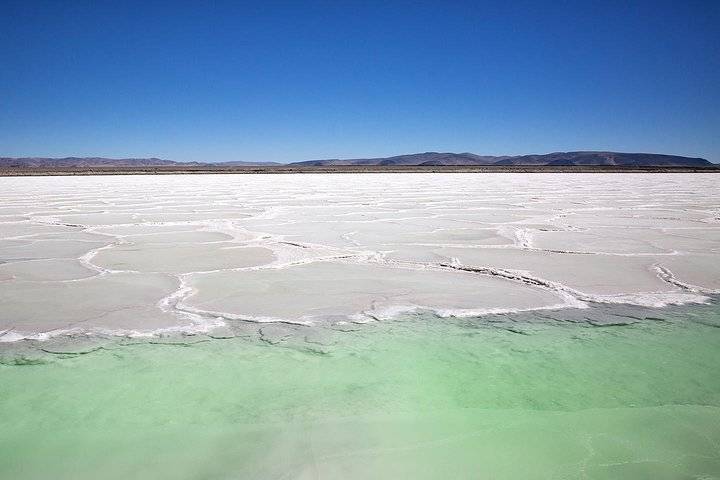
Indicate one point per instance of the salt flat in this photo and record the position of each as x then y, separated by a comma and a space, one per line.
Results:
133, 255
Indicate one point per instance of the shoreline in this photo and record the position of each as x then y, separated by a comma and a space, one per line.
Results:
195, 170
72, 342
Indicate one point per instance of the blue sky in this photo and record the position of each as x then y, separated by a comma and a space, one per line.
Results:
277, 81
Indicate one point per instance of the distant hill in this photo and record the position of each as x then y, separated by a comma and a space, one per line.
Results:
43, 162
427, 159
89, 162
558, 158
606, 158
241, 164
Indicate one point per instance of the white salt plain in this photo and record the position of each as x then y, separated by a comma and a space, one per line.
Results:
136, 255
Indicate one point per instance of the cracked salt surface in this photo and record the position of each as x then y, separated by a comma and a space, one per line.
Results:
140, 255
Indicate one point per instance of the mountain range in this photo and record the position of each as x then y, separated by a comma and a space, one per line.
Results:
88, 162
557, 158
428, 159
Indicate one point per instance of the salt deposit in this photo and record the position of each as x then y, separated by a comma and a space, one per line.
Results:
139, 254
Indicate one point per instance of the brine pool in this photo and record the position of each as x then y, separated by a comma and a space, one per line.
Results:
600, 393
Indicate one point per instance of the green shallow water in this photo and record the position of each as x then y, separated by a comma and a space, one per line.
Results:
535, 396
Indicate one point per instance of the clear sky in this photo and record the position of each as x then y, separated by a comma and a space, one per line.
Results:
303, 80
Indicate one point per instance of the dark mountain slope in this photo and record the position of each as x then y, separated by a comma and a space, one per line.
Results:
606, 158
558, 158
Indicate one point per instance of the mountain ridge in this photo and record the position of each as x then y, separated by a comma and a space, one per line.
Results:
580, 158
89, 162
577, 158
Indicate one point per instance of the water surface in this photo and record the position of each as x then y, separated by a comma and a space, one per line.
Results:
600, 393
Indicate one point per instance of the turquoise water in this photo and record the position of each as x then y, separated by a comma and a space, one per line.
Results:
597, 394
